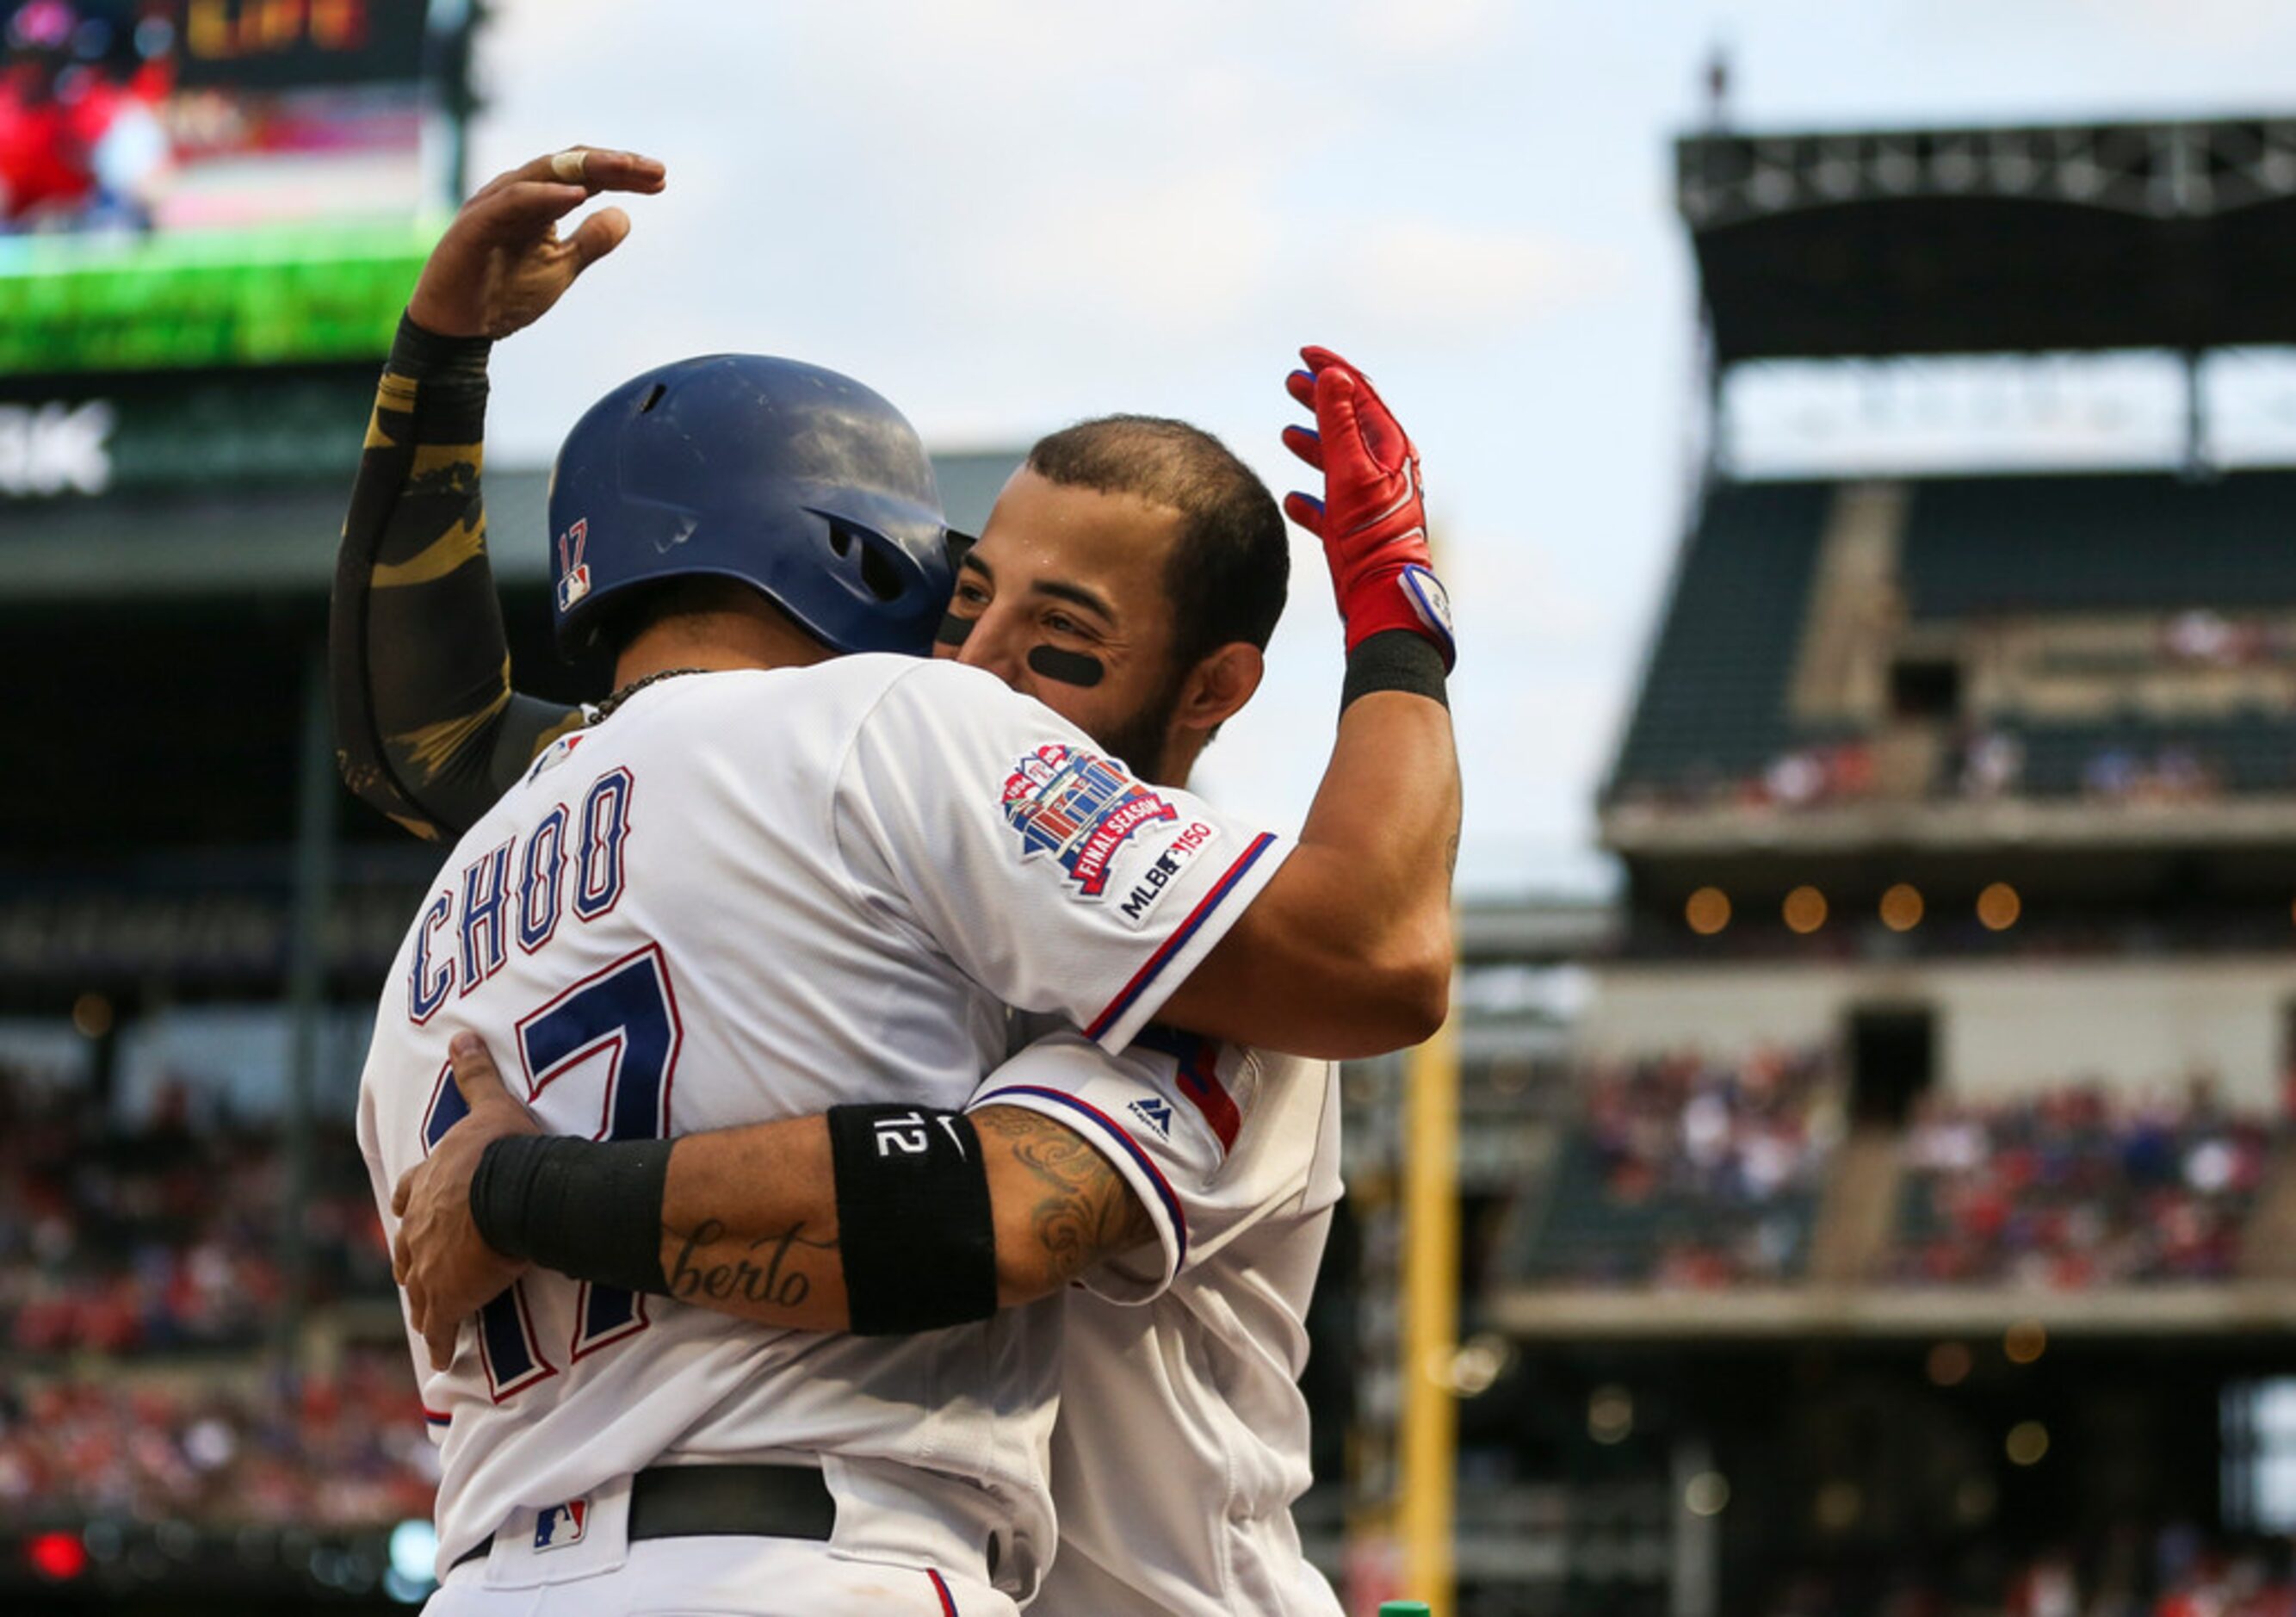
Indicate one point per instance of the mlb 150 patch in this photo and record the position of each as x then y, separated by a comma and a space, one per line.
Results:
1081, 809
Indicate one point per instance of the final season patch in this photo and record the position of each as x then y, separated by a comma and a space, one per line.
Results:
1081, 809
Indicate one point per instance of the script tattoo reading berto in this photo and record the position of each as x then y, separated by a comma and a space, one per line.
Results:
762, 1273
1086, 1210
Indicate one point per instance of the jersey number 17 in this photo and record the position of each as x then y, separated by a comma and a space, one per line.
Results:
627, 1014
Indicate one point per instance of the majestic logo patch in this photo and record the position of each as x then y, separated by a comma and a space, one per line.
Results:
1155, 1113
556, 1526
1081, 809
573, 572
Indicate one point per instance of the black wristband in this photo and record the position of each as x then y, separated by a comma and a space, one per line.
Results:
418, 351
915, 1235
1395, 660
589, 1208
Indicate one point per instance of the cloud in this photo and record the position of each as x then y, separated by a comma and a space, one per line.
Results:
1423, 29
1175, 253
1209, 260
2205, 25
1444, 280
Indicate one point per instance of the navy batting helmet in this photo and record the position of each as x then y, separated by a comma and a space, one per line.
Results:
789, 478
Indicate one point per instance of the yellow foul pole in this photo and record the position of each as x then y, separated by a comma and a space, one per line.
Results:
1430, 1318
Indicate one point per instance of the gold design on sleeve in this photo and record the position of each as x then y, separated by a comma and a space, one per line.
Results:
459, 543
430, 748
575, 719
422, 828
431, 459
395, 394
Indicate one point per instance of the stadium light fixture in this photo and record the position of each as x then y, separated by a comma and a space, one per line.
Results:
412, 1546
1998, 908
59, 1557
1949, 1364
1482, 1360
1707, 911
1902, 907
2028, 1443
1805, 910
1611, 1415
91, 1016
1839, 1505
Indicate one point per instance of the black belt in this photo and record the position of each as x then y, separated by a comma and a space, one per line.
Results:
722, 1501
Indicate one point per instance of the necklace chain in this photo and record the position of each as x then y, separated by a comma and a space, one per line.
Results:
605, 709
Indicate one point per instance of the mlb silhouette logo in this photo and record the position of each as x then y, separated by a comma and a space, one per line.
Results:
558, 753
556, 1526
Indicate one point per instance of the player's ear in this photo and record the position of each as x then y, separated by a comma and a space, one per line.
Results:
1220, 685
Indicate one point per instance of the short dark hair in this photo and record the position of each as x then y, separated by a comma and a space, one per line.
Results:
1227, 577
656, 600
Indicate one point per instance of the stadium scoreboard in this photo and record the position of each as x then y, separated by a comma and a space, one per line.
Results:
210, 214
275, 42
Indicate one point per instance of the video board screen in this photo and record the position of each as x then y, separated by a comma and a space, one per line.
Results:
207, 183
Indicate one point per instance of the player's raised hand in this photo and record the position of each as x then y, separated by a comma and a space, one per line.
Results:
502, 264
1372, 518
439, 1256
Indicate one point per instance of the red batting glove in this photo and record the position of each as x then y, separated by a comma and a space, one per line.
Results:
1370, 519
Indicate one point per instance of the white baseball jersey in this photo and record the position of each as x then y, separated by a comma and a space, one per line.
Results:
1182, 1436
727, 904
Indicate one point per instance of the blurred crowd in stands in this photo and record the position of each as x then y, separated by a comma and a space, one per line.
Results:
1978, 763
166, 1236
2074, 1187
140, 1280
2174, 1572
1693, 1171
346, 1450
2170, 773
1729, 1144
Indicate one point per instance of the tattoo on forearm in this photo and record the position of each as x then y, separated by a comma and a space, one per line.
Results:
1086, 1210
777, 1280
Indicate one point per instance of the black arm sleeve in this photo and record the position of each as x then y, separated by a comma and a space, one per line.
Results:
427, 727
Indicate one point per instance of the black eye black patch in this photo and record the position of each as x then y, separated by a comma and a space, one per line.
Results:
1070, 668
953, 630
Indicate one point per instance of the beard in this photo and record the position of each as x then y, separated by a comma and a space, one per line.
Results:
1142, 738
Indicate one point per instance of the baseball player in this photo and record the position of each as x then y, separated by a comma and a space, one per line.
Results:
1184, 1437
931, 880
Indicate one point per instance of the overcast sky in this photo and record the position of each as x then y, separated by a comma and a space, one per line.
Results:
1006, 215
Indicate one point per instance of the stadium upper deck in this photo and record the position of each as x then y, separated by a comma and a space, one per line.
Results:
2118, 636
1894, 727
1946, 666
